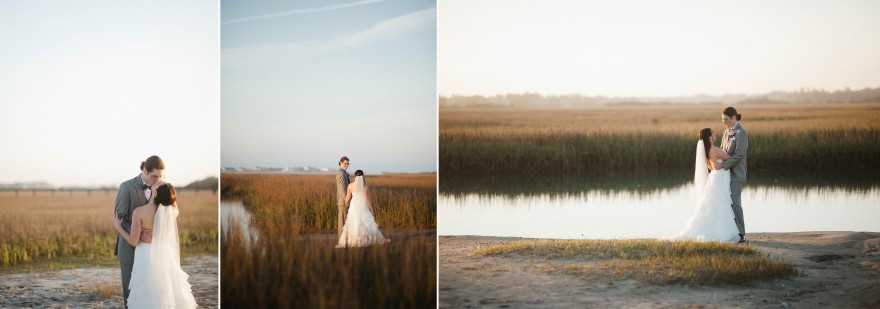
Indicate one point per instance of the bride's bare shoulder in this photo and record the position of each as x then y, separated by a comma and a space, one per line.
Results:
717, 152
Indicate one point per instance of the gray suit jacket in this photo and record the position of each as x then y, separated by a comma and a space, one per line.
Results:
736, 147
129, 197
341, 186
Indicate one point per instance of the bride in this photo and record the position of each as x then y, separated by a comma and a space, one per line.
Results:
360, 229
713, 220
157, 281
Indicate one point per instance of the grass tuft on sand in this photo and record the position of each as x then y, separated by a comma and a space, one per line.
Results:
101, 290
654, 261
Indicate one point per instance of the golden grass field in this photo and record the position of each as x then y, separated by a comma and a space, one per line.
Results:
72, 229
308, 202
481, 141
293, 262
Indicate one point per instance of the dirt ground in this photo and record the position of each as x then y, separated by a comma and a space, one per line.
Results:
96, 287
837, 270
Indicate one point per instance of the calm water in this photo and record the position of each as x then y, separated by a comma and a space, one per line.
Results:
233, 213
655, 213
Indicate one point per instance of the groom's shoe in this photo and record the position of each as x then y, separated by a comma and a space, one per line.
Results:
742, 239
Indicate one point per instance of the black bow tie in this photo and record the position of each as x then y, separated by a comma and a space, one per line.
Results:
146, 186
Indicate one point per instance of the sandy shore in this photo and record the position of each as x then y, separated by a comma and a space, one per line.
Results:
96, 287
838, 269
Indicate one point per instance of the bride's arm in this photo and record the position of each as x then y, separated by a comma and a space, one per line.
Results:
133, 237
720, 153
717, 153
348, 197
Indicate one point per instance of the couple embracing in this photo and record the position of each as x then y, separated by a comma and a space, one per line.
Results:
356, 224
145, 216
719, 216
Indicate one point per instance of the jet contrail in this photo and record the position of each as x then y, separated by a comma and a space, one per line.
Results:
302, 11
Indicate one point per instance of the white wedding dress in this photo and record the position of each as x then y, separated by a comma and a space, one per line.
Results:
360, 229
713, 220
157, 281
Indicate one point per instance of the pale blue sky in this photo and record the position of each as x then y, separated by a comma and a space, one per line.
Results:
89, 89
656, 48
304, 83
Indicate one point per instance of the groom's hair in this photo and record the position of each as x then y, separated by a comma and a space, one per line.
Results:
343, 159
152, 163
165, 194
731, 112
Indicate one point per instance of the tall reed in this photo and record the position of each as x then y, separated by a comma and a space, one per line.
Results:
479, 142
293, 263
308, 202
77, 227
286, 269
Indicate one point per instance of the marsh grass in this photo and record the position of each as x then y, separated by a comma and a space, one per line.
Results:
308, 202
286, 269
74, 229
476, 142
293, 263
656, 261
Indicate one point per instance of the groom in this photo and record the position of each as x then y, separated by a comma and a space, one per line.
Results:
735, 142
132, 194
341, 190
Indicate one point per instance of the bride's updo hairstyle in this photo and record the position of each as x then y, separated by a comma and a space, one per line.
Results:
731, 112
705, 134
360, 173
165, 194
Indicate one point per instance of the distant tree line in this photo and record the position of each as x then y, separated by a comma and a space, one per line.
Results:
804, 95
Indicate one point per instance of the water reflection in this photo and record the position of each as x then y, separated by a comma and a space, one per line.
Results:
645, 183
658, 212
233, 214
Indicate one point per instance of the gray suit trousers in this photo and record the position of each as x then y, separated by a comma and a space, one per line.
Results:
343, 211
125, 266
736, 188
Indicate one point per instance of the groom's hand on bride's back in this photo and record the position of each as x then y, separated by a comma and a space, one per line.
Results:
117, 219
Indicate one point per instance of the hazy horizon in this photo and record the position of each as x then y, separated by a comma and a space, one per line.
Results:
672, 95
656, 48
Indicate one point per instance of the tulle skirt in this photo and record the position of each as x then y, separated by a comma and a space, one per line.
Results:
158, 284
360, 227
714, 219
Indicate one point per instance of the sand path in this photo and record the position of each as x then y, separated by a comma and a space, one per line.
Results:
79, 288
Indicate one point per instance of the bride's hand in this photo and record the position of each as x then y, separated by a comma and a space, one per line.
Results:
116, 221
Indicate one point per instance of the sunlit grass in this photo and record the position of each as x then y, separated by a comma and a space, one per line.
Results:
101, 290
285, 269
293, 262
620, 139
656, 261
63, 230
309, 201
